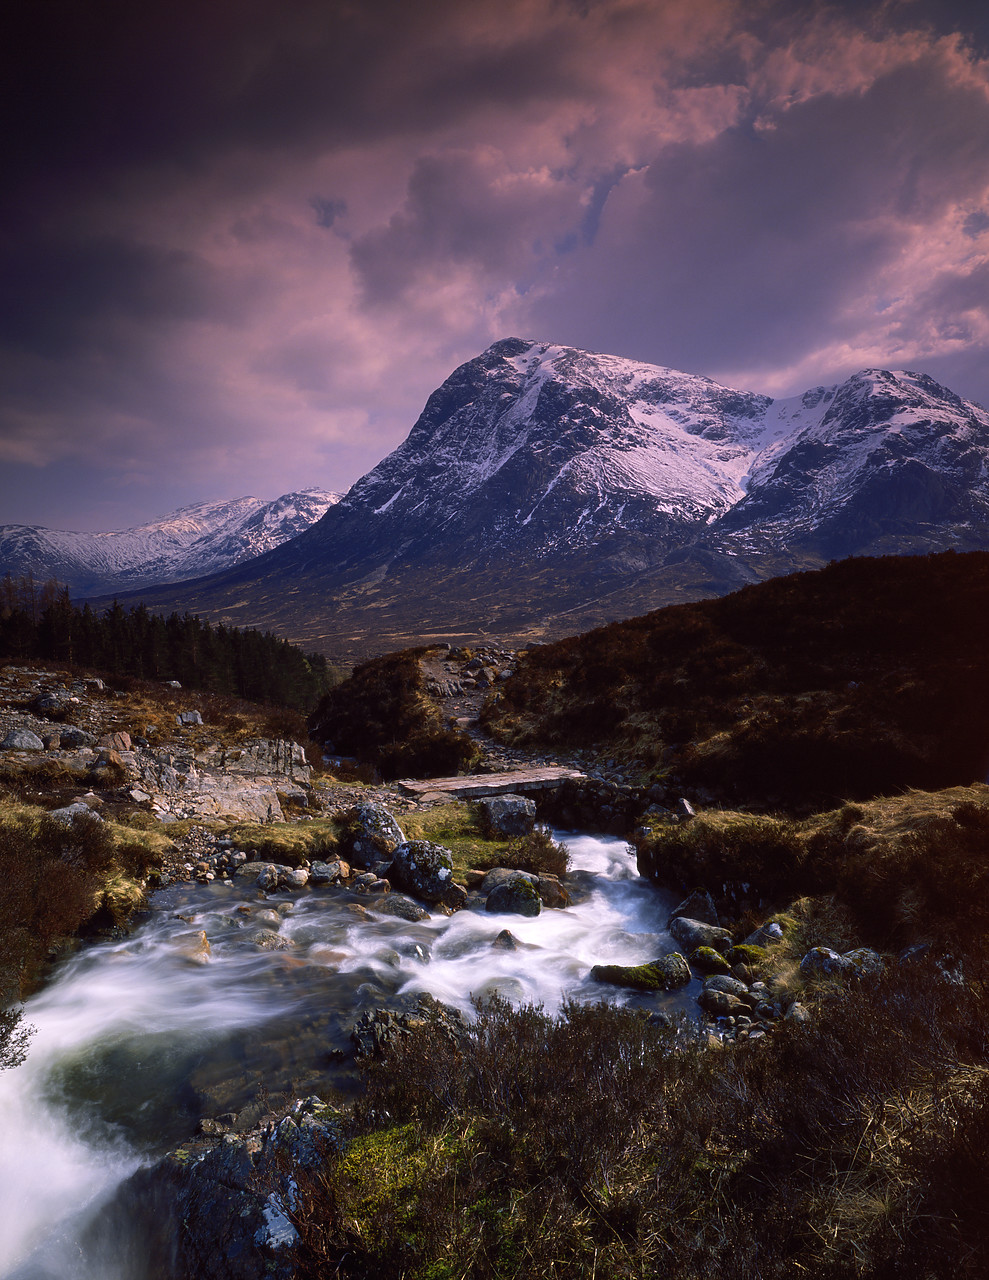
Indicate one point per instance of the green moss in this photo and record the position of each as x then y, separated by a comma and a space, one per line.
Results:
744, 954
640, 977
454, 826
707, 960
288, 842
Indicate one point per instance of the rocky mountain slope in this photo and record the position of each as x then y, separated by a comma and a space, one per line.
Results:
189, 543
546, 489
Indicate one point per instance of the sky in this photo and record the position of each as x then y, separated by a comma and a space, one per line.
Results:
242, 242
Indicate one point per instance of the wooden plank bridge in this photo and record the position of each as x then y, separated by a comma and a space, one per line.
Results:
474, 786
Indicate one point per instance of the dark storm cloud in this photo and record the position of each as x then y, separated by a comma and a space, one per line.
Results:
240, 243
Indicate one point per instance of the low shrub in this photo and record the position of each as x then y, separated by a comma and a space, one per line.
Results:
601, 1142
537, 852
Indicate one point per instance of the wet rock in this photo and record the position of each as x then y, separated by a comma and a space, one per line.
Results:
298, 878
370, 834
666, 973
423, 869
21, 740
707, 960
505, 941
396, 904
268, 940
692, 934
498, 875
517, 894
219, 1206
552, 893
699, 905
503, 817
328, 872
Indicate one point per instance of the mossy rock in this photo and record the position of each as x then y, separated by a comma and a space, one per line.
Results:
745, 953
665, 974
707, 960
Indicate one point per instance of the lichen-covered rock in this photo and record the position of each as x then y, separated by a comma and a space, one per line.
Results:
503, 817
423, 869
698, 905
369, 834
744, 953
822, 962
666, 973
517, 895
218, 1206
707, 960
692, 934
865, 961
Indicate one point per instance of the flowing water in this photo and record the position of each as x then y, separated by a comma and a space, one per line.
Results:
140, 1039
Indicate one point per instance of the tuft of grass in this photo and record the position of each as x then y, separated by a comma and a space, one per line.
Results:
289, 843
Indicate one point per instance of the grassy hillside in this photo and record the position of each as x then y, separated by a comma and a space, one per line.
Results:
860, 679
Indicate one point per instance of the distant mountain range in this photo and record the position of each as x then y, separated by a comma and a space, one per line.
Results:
191, 542
546, 489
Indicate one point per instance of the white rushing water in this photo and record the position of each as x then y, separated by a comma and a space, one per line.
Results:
137, 1039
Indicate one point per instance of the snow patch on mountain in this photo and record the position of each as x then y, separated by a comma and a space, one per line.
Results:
192, 542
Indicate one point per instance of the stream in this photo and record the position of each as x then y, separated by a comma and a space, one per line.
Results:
139, 1040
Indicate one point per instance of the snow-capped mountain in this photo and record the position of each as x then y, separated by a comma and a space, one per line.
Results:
189, 543
544, 488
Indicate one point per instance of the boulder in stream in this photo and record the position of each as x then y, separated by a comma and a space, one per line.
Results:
516, 894
423, 869
666, 973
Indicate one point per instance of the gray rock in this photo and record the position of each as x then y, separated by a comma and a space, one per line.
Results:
516, 895
498, 875
50, 705
722, 1004
71, 737
506, 941
699, 905
724, 982
507, 816
326, 872
797, 1013
822, 962
268, 877
70, 812
371, 834
765, 935
295, 879
865, 961
692, 934
188, 718
22, 740
396, 904
666, 973
268, 940
423, 869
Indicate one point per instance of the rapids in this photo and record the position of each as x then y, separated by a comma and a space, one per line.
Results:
138, 1040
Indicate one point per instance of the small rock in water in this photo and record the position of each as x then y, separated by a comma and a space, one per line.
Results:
506, 941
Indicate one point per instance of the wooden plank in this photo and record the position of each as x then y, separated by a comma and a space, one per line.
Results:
473, 786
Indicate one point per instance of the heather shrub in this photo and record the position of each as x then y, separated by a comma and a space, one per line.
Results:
537, 852
603, 1142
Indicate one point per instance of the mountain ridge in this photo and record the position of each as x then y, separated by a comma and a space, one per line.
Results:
544, 489
191, 542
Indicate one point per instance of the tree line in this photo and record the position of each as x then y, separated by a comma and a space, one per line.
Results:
40, 622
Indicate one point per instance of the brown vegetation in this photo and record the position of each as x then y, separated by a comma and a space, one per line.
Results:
383, 715
858, 680
602, 1143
